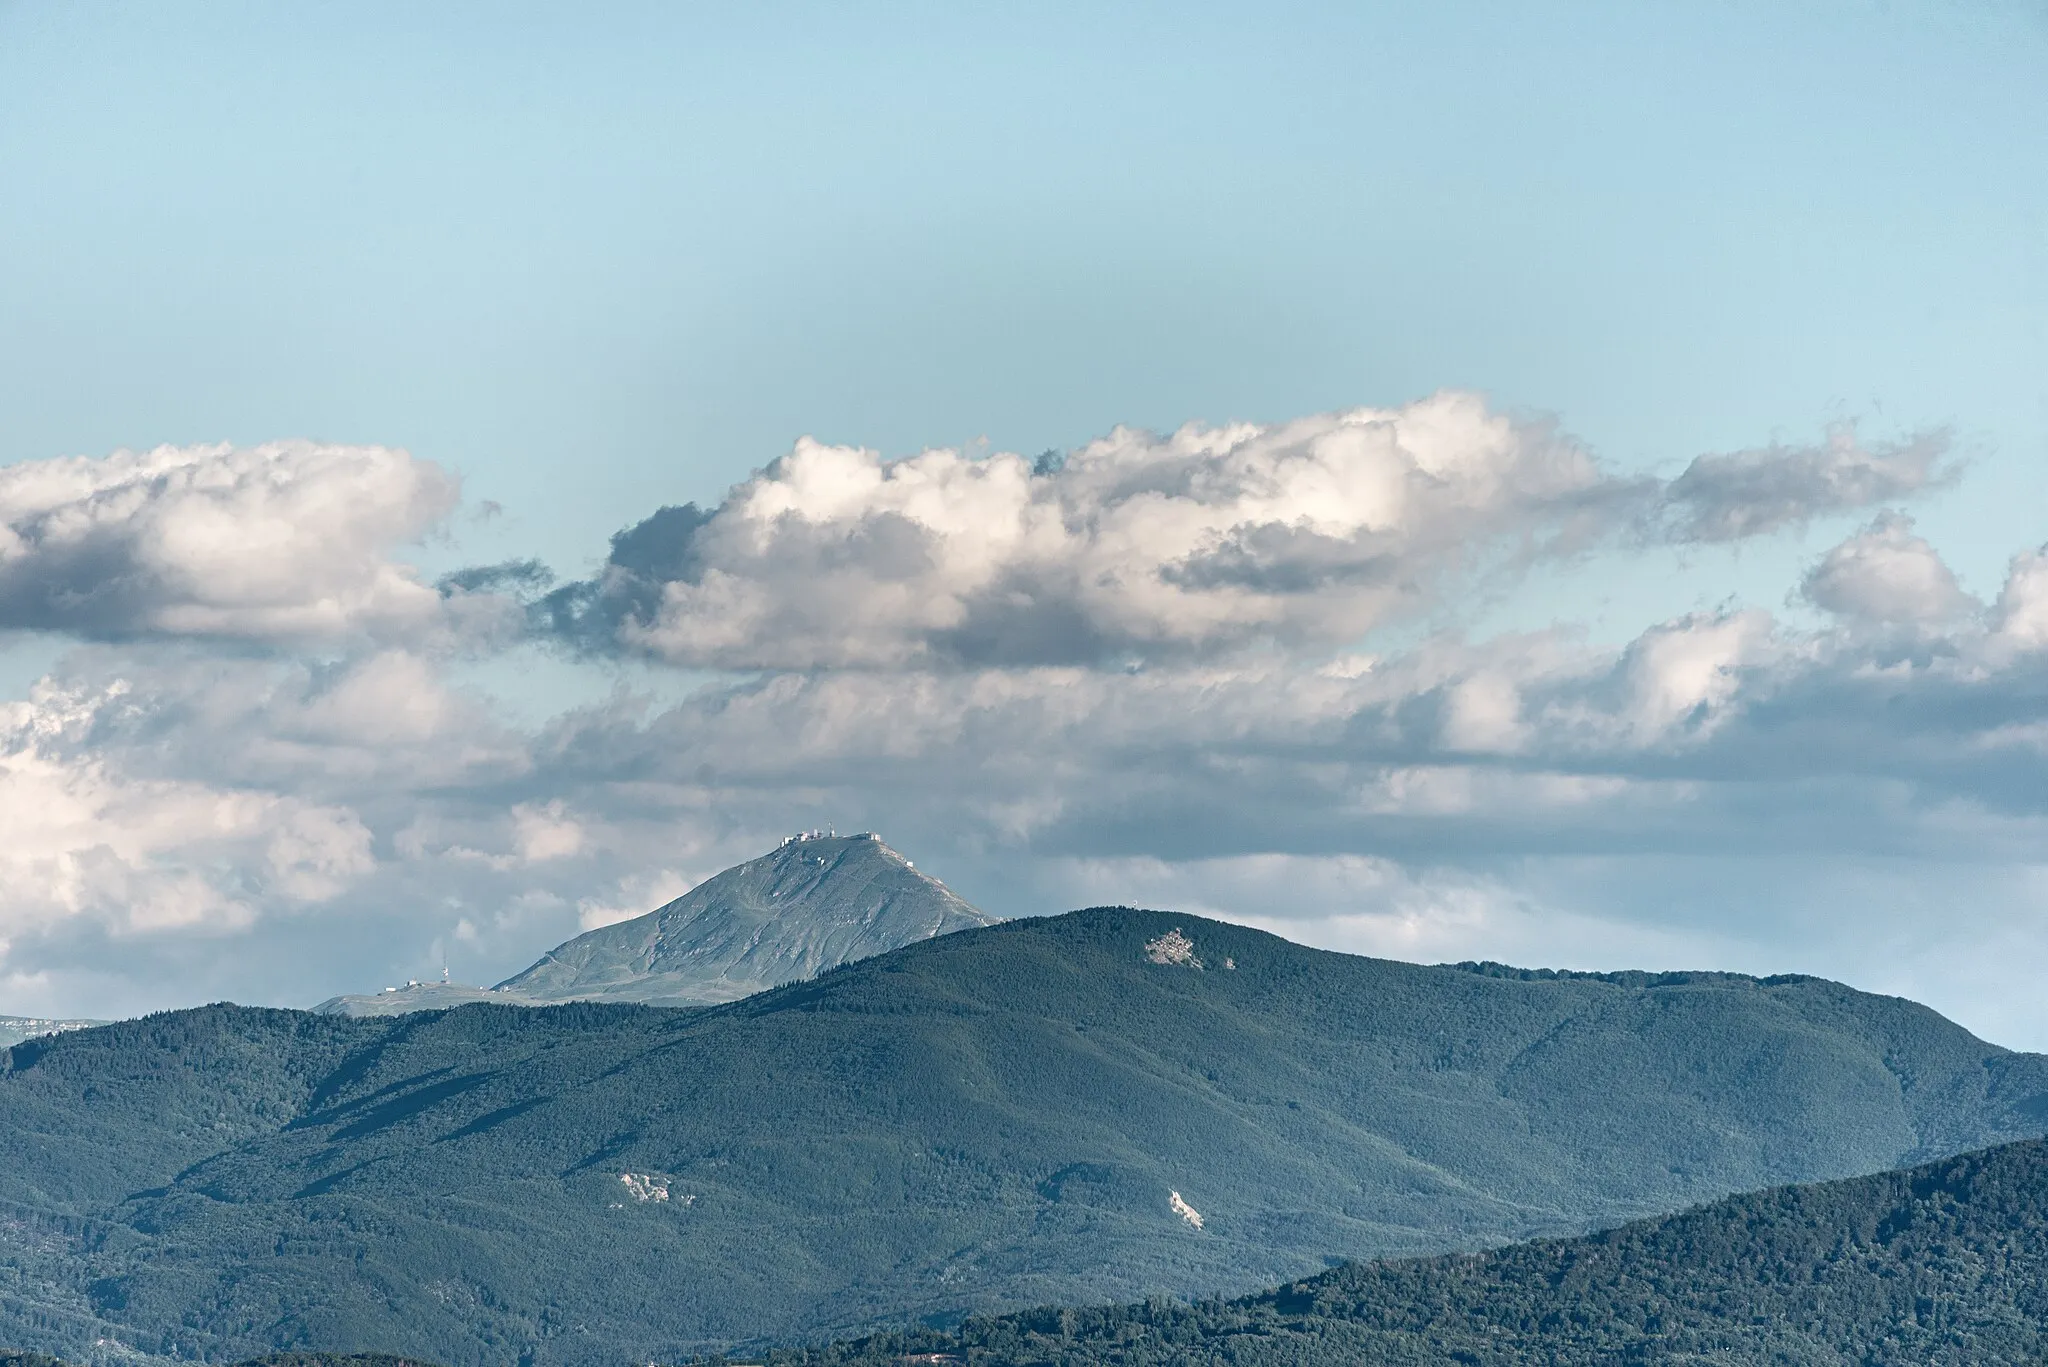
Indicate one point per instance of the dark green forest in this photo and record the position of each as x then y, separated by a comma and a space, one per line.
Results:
1939, 1266
975, 1124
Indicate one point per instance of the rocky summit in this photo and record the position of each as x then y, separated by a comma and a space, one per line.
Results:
813, 903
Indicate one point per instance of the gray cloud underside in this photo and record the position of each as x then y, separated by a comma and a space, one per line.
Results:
1751, 493
375, 784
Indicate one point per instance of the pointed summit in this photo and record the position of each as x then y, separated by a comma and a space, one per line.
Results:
814, 903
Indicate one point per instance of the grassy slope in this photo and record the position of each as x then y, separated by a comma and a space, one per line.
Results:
988, 1119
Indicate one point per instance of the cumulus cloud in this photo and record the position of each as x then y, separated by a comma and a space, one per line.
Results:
1676, 740
2022, 608
86, 839
943, 648
1161, 549
1684, 675
1727, 497
1134, 546
288, 540
1885, 574
1416, 794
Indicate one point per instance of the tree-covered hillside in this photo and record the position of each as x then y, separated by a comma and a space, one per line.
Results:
1078, 1109
1939, 1266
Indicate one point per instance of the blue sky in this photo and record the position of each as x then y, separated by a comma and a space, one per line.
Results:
655, 243
595, 260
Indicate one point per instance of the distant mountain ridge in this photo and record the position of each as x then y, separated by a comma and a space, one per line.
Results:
1097, 1106
813, 903
816, 902
15, 1029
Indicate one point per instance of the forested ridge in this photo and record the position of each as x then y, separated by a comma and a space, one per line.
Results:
1944, 1265
1035, 1113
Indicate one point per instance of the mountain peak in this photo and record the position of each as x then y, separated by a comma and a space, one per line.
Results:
814, 902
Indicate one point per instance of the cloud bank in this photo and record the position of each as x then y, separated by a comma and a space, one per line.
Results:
285, 541
1144, 548
1153, 671
88, 837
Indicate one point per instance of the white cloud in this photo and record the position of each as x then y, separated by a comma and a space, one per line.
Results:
544, 831
1137, 547
288, 540
944, 648
1683, 675
1885, 574
389, 698
1483, 712
87, 839
187, 793
2022, 609
1201, 541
